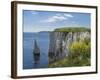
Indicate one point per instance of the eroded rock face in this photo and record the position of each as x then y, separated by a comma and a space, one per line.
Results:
60, 42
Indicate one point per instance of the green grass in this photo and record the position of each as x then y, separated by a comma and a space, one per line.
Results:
59, 63
72, 29
67, 62
79, 55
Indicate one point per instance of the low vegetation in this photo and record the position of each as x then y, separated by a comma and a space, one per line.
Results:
79, 55
71, 29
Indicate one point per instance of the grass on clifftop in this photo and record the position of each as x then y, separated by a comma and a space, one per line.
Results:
72, 29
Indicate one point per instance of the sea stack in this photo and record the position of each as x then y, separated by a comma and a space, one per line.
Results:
36, 50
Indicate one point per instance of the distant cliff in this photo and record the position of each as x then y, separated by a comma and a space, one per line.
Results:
61, 39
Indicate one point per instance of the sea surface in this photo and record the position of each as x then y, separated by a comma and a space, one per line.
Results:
30, 61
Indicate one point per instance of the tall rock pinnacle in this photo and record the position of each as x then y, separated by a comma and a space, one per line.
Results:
36, 50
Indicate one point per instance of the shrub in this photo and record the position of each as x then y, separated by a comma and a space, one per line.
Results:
80, 53
78, 48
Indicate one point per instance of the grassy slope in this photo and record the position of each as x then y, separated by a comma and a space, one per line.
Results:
72, 29
67, 62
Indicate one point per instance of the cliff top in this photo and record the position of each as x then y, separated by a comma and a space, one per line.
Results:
72, 29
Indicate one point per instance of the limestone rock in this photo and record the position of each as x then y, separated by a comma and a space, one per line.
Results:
60, 41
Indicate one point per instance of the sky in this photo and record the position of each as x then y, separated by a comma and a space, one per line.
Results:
36, 21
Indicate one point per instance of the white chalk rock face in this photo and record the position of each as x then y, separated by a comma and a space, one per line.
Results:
60, 42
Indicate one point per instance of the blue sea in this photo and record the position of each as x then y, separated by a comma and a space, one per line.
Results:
30, 61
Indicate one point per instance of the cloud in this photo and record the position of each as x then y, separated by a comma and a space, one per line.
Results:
58, 17
69, 15
55, 18
33, 12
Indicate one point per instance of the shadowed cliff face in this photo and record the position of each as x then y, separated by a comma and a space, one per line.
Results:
60, 42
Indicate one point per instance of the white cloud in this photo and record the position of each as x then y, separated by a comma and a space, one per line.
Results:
58, 17
55, 18
68, 15
34, 12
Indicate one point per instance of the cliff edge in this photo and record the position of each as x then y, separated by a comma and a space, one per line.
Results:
61, 39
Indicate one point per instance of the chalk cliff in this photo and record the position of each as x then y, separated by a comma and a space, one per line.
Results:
60, 42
